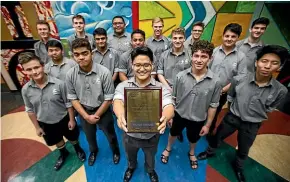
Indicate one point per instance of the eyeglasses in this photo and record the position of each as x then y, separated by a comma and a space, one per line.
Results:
146, 66
118, 23
196, 30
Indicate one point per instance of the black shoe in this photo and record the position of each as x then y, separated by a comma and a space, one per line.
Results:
180, 137
116, 156
81, 154
92, 158
60, 160
204, 155
128, 174
239, 173
153, 176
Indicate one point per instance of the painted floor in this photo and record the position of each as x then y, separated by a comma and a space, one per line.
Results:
26, 158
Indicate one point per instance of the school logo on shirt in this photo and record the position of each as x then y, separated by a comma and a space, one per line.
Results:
270, 96
127, 43
165, 46
55, 91
97, 80
235, 64
110, 56
186, 61
205, 92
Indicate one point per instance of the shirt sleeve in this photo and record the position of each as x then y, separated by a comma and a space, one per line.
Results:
123, 66
232, 90
216, 95
281, 96
160, 65
28, 104
155, 63
71, 92
116, 62
242, 66
36, 50
63, 90
46, 68
166, 97
119, 92
175, 86
108, 86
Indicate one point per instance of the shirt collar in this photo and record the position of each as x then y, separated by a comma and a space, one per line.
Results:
64, 61
50, 38
94, 69
107, 50
260, 43
208, 74
49, 80
162, 38
183, 51
125, 34
234, 50
252, 79
86, 36
133, 80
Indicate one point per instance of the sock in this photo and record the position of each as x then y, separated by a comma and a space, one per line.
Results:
62, 150
76, 146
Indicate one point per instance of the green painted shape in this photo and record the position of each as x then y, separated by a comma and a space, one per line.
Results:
43, 171
246, 6
229, 7
253, 170
186, 15
272, 34
156, 10
208, 30
65, 47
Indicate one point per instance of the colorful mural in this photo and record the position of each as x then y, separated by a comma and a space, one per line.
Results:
96, 14
23, 21
8, 21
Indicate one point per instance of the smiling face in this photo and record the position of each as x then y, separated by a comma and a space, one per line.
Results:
178, 40
258, 30
196, 32
157, 29
34, 70
118, 25
200, 60
43, 31
230, 38
79, 24
142, 67
267, 65
83, 57
101, 41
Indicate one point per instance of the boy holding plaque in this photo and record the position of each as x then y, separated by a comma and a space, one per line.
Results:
196, 91
142, 65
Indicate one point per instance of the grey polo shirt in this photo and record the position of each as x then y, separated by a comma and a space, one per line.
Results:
125, 64
166, 99
41, 51
194, 98
120, 44
228, 66
49, 103
187, 44
170, 65
88, 36
158, 46
250, 51
59, 71
110, 59
92, 88
252, 103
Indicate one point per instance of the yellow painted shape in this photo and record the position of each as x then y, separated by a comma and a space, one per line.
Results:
217, 5
5, 32
224, 19
31, 16
79, 175
272, 151
18, 125
169, 23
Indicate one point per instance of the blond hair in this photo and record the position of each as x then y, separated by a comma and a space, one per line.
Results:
157, 20
178, 30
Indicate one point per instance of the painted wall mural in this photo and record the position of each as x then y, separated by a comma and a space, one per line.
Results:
96, 14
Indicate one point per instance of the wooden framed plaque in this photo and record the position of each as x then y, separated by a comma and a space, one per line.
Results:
143, 108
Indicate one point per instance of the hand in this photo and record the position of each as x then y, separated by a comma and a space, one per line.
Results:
92, 119
40, 132
204, 130
122, 123
169, 123
71, 124
162, 126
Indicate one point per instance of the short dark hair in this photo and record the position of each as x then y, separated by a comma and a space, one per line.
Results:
78, 17
81, 42
118, 17
43, 22
198, 23
233, 27
261, 20
138, 31
203, 46
100, 31
280, 51
54, 43
26, 57
146, 51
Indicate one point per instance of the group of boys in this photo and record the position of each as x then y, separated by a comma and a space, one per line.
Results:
196, 80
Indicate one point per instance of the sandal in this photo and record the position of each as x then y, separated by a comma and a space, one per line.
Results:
192, 163
164, 159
